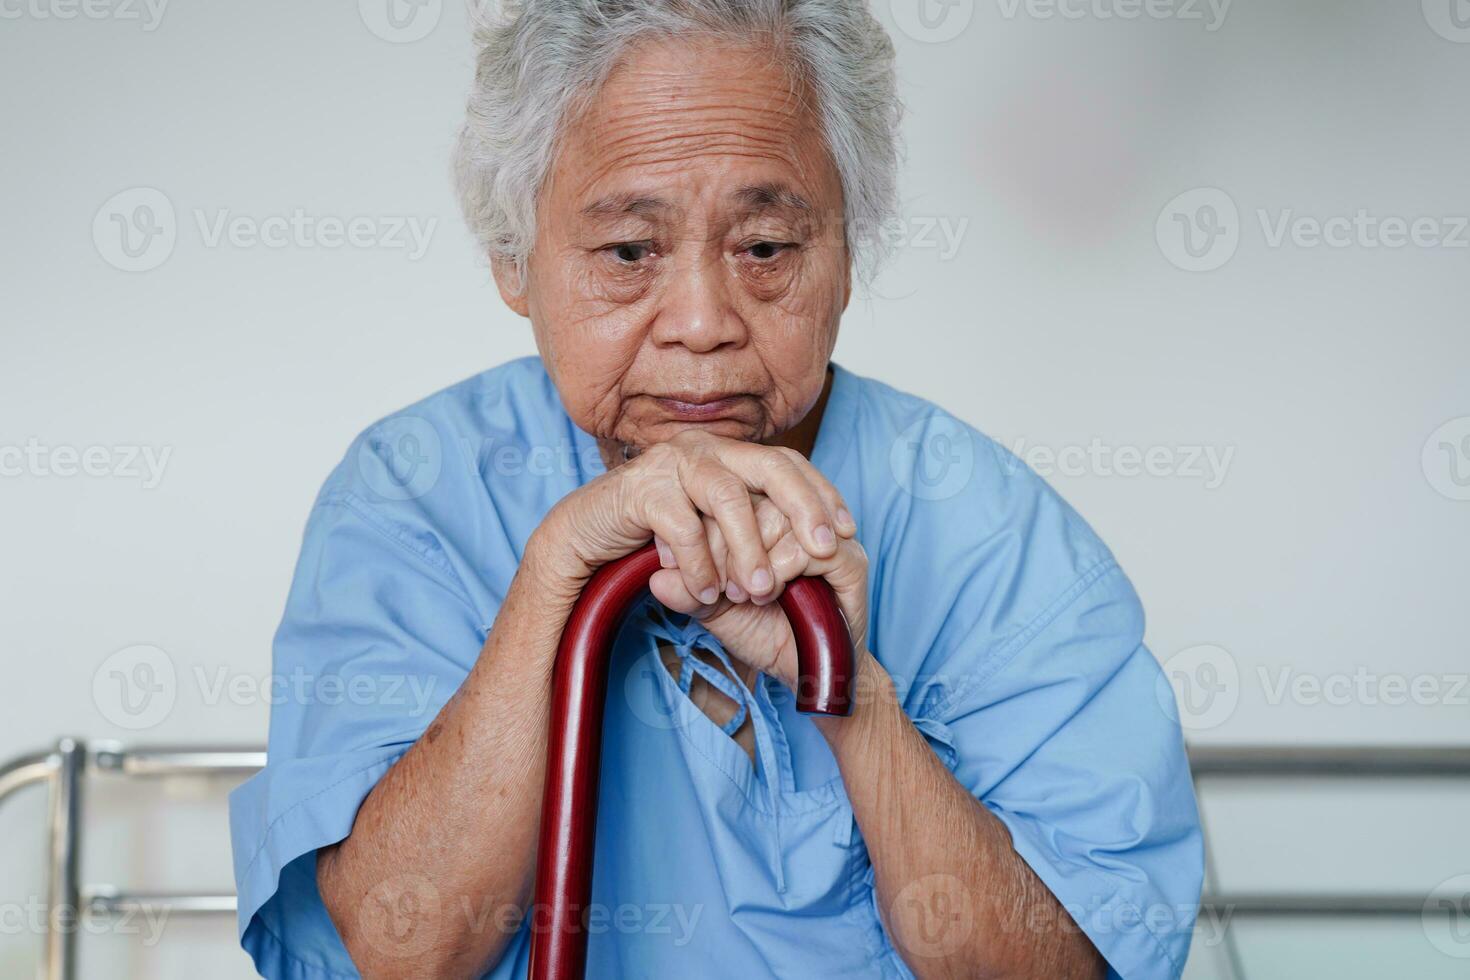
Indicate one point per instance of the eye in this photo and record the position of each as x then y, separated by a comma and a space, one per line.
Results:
765, 251
630, 253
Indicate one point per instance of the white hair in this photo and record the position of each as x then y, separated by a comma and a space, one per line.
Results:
536, 58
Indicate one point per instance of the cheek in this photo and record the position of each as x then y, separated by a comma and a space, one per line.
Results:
798, 369
796, 333
588, 347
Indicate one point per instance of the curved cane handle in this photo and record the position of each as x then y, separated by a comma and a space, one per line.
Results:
824, 658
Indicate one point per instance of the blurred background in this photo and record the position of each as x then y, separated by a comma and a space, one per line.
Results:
1204, 265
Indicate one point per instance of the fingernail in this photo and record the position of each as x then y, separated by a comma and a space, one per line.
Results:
844, 517
825, 537
665, 556
735, 592
709, 595
761, 581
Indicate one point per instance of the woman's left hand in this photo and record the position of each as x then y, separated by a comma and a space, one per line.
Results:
756, 632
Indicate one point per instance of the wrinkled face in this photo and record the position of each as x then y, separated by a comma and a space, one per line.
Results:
689, 267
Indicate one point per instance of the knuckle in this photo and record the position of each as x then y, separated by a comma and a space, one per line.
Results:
773, 522
727, 491
791, 456
771, 457
686, 532
774, 460
787, 552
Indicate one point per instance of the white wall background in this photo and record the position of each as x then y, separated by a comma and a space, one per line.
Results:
1050, 140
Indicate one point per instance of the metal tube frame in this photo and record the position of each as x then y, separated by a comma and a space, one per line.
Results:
65, 768
64, 771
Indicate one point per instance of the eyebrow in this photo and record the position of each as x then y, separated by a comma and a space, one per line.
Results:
768, 196
640, 205
753, 199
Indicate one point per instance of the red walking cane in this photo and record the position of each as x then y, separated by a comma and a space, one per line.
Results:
824, 657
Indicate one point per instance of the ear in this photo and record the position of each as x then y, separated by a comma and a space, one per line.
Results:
511, 283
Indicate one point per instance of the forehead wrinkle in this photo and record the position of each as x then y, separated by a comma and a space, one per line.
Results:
658, 106
653, 127
656, 154
659, 133
760, 74
654, 136
649, 123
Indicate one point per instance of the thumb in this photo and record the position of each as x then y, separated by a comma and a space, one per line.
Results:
846, 572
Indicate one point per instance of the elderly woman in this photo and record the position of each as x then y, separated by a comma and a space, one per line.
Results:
673, 192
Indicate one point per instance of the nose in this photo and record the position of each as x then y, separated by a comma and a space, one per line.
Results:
697, 312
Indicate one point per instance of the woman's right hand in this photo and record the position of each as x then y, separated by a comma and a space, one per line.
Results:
664, 491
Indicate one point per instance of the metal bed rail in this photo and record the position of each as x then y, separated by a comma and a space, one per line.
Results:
1323, 762
65, 768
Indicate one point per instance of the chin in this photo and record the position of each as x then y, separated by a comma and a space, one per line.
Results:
729, 428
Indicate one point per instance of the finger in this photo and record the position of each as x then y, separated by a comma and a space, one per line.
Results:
673, 519
722, 494
772, 521
832, 500
848, 577
720, 552
667, 586
846, 572
842, 518
790, 560
777, 473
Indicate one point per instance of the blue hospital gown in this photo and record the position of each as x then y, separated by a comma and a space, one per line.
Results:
1013, 636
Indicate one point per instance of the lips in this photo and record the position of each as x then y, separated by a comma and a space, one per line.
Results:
698, 406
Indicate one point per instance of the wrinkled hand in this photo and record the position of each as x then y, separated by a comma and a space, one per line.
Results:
734, 521
754, 630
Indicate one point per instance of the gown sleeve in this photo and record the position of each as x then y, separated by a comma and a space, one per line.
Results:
1066, 742
377, 635
1017, 643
